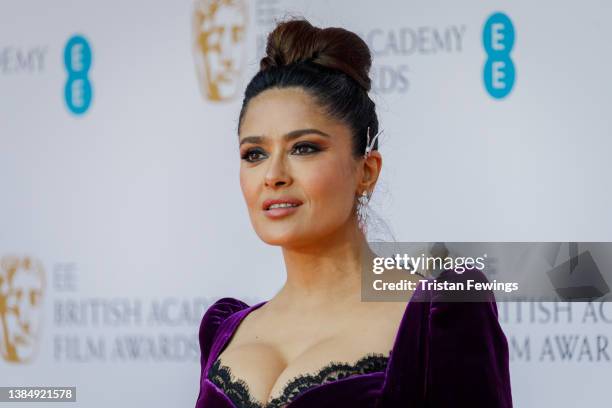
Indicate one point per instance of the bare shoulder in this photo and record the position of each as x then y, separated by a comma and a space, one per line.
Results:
375, 324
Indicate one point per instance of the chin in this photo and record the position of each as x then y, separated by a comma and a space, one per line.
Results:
284, 237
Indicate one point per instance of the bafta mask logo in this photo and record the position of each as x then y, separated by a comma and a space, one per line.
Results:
219, 31
22, 285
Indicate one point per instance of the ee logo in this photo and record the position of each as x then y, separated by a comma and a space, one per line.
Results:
498, 40
77, 61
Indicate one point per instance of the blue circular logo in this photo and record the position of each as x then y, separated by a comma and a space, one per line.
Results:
499, 76
498, 35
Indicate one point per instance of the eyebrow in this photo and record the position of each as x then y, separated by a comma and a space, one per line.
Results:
294, 134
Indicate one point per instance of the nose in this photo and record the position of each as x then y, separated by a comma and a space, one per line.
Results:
277, 174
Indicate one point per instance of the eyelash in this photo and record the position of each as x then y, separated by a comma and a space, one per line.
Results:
314, 149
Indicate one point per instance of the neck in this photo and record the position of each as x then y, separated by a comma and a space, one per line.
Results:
327, 271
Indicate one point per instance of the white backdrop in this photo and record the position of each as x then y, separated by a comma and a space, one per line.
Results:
133, 215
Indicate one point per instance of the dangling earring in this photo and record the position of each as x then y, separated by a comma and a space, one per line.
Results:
362, 215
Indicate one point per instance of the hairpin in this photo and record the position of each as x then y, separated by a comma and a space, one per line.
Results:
370, 146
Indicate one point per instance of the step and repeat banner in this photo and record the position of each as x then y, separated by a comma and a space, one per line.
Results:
121, 215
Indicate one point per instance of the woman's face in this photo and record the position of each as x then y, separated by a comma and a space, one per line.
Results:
282, 160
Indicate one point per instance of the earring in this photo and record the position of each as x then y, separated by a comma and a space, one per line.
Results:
362, 203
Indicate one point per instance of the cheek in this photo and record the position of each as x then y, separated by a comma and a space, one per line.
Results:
331, 189
248, 186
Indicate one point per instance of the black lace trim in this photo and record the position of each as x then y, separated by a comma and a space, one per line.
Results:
238, 391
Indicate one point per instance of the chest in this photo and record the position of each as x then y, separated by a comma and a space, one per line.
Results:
277, 366
364, 379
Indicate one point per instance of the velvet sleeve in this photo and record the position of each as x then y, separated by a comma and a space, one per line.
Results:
468, 360
211, 321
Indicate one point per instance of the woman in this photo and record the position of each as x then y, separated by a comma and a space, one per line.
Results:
307, 138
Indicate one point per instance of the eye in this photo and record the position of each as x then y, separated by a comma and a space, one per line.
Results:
252, 155
305, 148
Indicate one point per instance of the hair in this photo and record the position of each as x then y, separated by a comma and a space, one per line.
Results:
331, 64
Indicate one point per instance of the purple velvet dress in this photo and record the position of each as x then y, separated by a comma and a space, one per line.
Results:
445, 354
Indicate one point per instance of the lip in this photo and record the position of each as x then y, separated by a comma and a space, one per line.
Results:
280, 212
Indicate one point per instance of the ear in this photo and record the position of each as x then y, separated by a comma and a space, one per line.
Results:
371, 167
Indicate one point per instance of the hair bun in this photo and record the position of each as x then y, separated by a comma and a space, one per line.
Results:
297, 40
